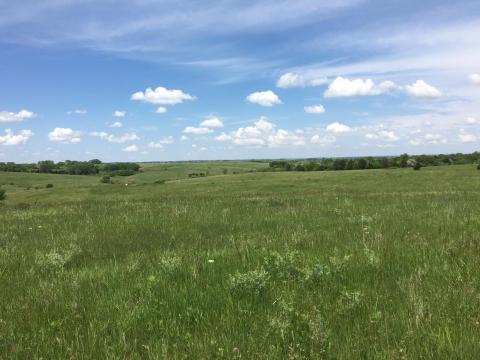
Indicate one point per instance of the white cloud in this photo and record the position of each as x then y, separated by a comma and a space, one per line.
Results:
223, 137
472, 120
315, 109
465, 137
384, 135
343, 87
421, 89
212, 123
475, 78
77, 112
7, 116
10, 138
291, 79
183, 138
338, 128
166, 141
262, 133
197, 130
162, 96
323, 140
203, 149
154, 145
264, 98
116, 124
119, 113
131, 148
115, 139
65, 135
161, 110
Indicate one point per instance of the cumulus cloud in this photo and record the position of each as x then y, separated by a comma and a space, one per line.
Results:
264, 98
119, 113
162, 96
343, 87
65, 135
475, 78
338, 128
77, 112
183, 138
465, 137
262, 132
212, 123
10, 138
116, 124
159, 144
197, 130
384, 135
115, 139
421, 89
7, 116
291, 79
131, 148
155, 145
315, 109
323, 140
161, 110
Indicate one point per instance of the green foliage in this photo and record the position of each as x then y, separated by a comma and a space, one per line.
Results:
401, 161
122, 172
3, 195
417, 166
105, 179
49, 186
253, 282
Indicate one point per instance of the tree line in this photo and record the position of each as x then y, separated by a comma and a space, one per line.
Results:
69, 167
380, 162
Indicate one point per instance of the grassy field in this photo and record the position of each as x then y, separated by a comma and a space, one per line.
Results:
289, 265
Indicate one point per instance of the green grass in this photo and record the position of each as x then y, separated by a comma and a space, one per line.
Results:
355, 264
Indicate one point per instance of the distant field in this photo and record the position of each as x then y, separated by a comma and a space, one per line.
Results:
241, 264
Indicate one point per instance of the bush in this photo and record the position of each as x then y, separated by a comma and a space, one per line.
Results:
160, 182
105, 179
478, 167
49, 186
417, 166
122, 173
250, 283
2, 194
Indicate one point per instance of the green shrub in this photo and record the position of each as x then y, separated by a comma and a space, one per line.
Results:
123, 172
160, 182
417, 166
478, 166
49, 186
285, 267
250, 283
2, 194
105, 179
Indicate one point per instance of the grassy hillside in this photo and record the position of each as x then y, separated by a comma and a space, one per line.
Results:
357, 264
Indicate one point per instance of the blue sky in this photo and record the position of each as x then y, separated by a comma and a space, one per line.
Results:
160, 80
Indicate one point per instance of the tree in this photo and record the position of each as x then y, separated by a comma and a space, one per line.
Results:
417, 166
2, 194
339, 164
362, 164
46, 166
403, 160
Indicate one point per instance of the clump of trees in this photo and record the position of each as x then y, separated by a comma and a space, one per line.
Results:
382, 162
91, 167
194, 175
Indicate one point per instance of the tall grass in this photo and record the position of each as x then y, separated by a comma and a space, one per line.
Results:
361, 264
